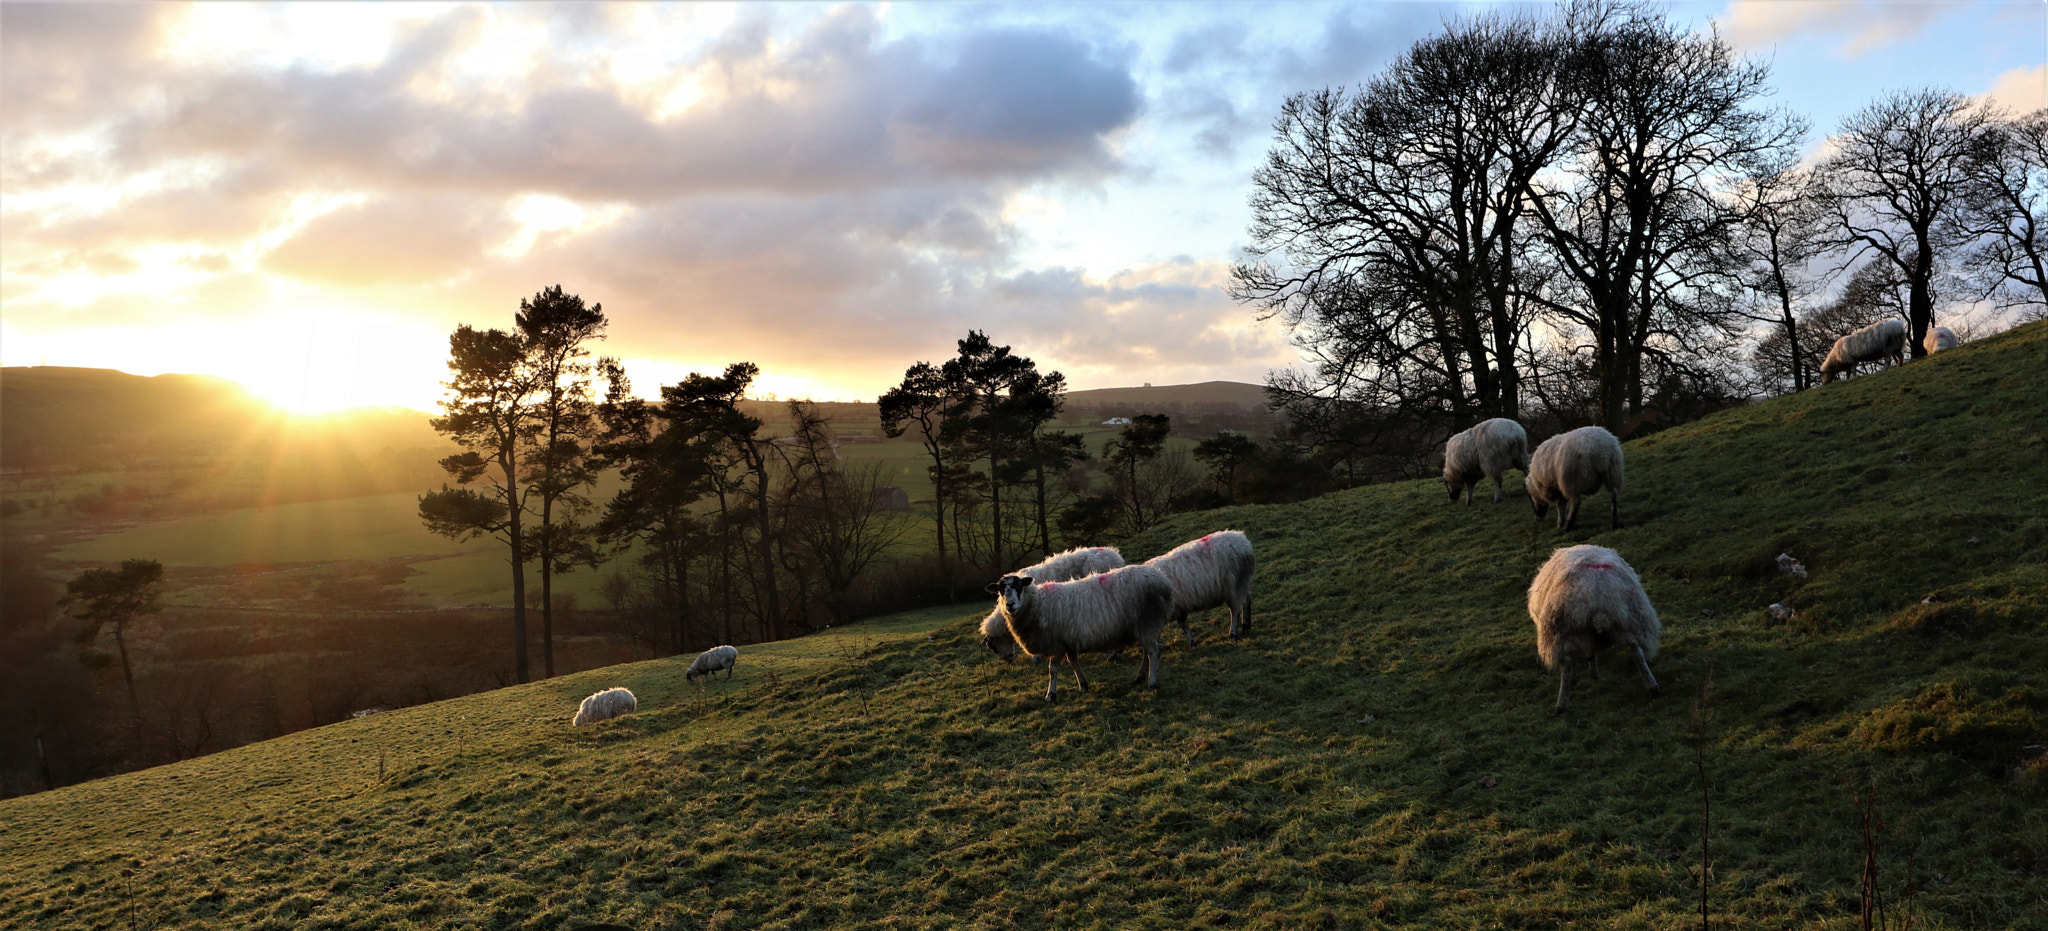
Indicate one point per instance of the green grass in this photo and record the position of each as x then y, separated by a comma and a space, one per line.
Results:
1380, 753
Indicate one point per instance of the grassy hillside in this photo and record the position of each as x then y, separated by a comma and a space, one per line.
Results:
1380, 753
1150, 397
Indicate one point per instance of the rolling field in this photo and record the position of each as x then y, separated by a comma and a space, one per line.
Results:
1379, 753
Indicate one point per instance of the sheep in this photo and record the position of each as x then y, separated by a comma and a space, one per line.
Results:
1121, 607
1584, 600
1214, 571
1487, 450
1571, 466
603, 706
710, 661
1940, 338
1072, 564
1880, 340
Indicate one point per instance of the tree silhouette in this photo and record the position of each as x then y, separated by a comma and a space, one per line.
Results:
1140, 441
921, 400
1896, 184
116, 597
555, 326
488, 413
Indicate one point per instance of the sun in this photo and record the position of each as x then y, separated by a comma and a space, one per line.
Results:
322, 363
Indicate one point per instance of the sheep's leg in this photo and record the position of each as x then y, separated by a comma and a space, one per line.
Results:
1647, 677
1614, 506
1151, 677
1074, 660
1145, 660
1593, 666
728, 673
1185, 630
1496, 489
1052, 680
1564, 685
1568, 515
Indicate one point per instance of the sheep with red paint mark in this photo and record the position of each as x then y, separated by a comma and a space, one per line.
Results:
1211, 572
1105, 611
1585, 600
1940, 338
603, 706
1072, 564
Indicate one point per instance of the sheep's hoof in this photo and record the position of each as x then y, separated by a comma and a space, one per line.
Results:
1656, 691
1051, 699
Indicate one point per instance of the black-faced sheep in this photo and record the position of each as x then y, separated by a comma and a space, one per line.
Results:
1072, 564
1119, 608
603, 706
1571, 466
710, 661
1587, 599
1213, 571
1940, 338
1488, 450
1881, 340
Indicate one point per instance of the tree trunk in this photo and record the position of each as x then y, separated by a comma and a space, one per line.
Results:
127, 673
517, 541
547, 586
1044, 532
773, 615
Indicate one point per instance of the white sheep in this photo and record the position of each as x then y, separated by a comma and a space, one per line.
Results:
1107, 610
1214, 571
1586, 599
1072, 564
1940, 338
1571, 466
1880, 340
603, 706
1487, 450
710, 661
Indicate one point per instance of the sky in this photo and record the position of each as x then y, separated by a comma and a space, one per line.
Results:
309, 198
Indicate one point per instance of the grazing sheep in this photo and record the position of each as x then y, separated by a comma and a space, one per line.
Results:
1488, 450
1214, 571
1880, 340
1940, 338
1118, 608
1586, 599
1571, 466
710, 661
1072, 564
603, 706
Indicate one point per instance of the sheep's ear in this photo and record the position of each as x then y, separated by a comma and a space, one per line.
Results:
1023, 581
993, 588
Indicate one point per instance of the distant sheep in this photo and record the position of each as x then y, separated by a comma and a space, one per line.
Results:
710, 661
1119, 608
603, 706
1072, 564
1940, 338
1880, 340
1214, 571
1487, 450
1571, 466
1587, 599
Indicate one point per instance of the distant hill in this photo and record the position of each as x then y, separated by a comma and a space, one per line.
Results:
1379, 752
1200, 394
51, 414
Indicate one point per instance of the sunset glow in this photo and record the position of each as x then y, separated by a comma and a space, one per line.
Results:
308, 198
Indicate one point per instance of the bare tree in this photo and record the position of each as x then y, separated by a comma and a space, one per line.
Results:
1394, 214
1895, 186
1778, 241
1639, 224
2007, 213
837, 515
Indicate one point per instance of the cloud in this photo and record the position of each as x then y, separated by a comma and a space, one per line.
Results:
1860, 25
2022, 90
392, 240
